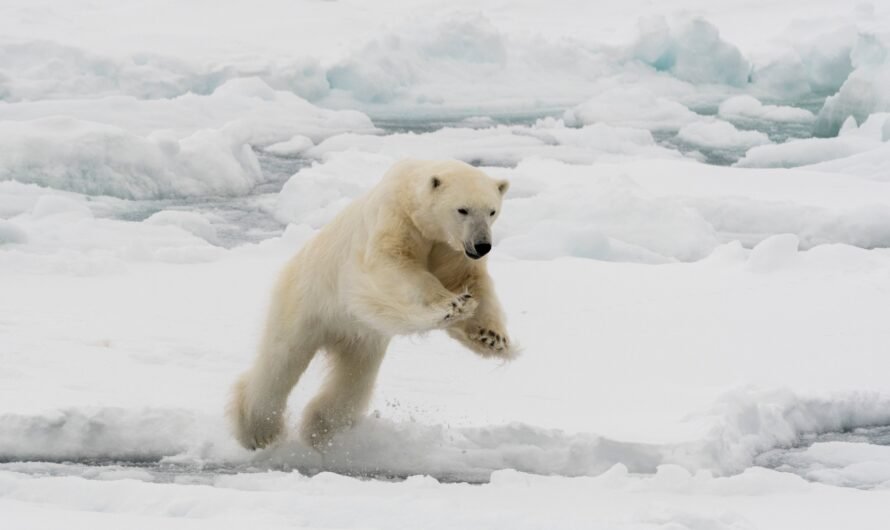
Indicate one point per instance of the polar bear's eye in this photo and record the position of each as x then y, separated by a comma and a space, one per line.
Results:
462, 211
492, 213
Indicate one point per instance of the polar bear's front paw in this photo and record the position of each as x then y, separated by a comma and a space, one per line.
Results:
459, 308
493, 341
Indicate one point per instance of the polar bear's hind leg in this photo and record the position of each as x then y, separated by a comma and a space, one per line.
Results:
347, 389
259, 399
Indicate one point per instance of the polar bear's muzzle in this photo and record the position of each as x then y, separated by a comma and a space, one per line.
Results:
479, 249
477, 237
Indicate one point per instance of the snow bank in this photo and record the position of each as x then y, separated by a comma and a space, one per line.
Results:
852, 140
43, 69
750, 205
316, 194
839, 463
804, 152
246, 107
43, 496
744, 430
191, 222
691, 50
380, 447
865, 90
17, 198
746, 426
680, 210
55, 205
873, 164
774, 253
719, 134
101, 434
65, 237
387, 66
11, 233
506, 145
614, 207
187, 146
631, 107
549, 239
816, 62
98, 159
751, 221
749, 108
293, 147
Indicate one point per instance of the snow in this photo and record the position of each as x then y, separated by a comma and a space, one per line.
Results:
505, 145
692, 50
513, 500
314, 195
816, 62
248, 107
872, 163
633, 107
852, 141
864, 91
842, 464
749, 108
805, 152
720, 134
100, 159
11, 233
429, 428
775, 252
293, 147
693, 256
45, 69
191, 222
186, 146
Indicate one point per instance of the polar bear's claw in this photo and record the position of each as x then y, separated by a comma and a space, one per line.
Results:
491, 340
460, 308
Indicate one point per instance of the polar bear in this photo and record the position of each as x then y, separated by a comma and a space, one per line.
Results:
407, 257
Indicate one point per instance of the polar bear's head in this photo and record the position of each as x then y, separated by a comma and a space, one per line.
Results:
458, 203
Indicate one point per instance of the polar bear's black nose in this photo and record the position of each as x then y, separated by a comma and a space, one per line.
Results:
482, 248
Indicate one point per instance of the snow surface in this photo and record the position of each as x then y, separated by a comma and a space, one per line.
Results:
694, 255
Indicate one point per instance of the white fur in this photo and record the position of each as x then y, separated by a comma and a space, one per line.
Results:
392, 263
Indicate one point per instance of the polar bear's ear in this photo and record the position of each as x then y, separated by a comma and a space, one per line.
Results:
503, 186
435, 181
